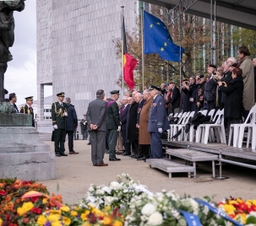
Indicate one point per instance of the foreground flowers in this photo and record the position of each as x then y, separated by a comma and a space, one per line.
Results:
122, 202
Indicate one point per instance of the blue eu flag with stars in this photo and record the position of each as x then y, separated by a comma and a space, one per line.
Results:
158, 40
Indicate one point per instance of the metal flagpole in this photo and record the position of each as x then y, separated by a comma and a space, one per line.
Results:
122, 44
142, 46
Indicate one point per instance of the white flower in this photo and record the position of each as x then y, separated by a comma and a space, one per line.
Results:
148, 209
194, 204
106, 189
109, 200
91, 189
155, 219
205, 210
141, 188
91, 199
252, 213
115, 185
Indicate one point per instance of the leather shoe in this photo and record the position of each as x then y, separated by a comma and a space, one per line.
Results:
89, 143
133, 156
126, 154
102, 164
114, 159
57, 155
73, 153
63, 154
141, 159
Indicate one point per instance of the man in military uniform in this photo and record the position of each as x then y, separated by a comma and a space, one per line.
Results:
113, 121
158, 122
27, 108
59, 114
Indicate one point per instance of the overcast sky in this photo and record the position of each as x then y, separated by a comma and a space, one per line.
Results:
20, 76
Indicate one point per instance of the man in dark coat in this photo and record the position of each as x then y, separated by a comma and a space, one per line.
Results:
210, 88
84, 127
158, 122
59, 114
27, 108
174, 99
96, 117
132, 132
113, 121
71, 125
123, 119
13, 100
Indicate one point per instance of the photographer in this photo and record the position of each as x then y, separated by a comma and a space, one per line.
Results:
234, 98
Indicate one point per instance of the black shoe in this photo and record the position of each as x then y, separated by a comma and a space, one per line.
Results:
106, 151
63, 154
127, 154
141, 159
133, 156
114, 159
89, 143
57, 155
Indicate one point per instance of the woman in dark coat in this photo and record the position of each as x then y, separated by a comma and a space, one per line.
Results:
233, 107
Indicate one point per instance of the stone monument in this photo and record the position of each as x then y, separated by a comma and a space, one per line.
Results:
22, 153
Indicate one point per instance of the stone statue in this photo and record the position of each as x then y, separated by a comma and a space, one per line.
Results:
7, 35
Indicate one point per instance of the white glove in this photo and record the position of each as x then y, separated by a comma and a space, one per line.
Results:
65, 113
55, 126
160, 130
119, 128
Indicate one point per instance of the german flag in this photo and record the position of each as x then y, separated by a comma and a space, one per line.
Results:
129, 63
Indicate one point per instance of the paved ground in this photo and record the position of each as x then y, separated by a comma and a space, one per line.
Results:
75, 173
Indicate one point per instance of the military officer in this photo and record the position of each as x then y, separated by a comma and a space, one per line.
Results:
113, 121
27, 108
59, 114
158, 122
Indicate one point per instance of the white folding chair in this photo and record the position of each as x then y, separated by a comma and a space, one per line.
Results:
181, 116
203, 130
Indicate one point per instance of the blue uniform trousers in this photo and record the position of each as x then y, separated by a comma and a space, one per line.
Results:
156, 145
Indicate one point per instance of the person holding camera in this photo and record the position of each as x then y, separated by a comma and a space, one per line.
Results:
233, 108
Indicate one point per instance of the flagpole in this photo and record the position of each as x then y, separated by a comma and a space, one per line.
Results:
142, 46
122, 58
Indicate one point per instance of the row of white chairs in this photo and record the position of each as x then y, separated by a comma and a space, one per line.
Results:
204, 133
215, 131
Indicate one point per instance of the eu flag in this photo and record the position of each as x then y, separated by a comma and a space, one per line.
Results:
158, 40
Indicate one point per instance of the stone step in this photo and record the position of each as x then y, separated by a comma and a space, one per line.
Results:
171, 166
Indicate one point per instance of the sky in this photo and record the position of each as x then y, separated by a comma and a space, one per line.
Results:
20, 76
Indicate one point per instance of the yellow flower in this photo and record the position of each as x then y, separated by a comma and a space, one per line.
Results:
1, 221
65, 208
25, 208
86, 224
84, 216
232, 202
53, 217
56, 223
241, 216
239, 200
41, 220
45, 201
73, 213
66, 221
118, 223
229, 209
107, 208
55, 212
107, 220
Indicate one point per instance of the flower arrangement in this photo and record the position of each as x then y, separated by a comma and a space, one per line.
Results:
122, 202
240, 210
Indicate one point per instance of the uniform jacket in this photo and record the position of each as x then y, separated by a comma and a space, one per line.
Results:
248, 78
112, 118
132, 131
234, 98
123, 116
210, 90
25, 109
96, 114
58, 116
157, 116
71, 121
144, 135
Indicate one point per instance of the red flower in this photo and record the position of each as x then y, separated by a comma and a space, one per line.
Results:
3, 192
36, 210
34, 199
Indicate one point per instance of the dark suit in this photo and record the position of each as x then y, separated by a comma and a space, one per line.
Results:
210, 93
96, 115
15, 108
59, 119
71, 124
157, 119
25, 109
174, 100
113, 121
132, 131
123, 118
